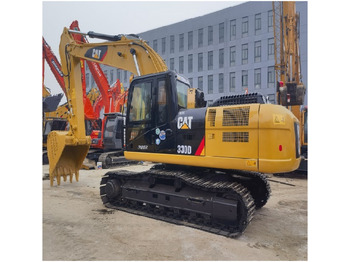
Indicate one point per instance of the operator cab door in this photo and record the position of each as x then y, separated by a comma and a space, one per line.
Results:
164, 133
148, 127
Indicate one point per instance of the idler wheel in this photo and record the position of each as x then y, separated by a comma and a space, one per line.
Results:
113, 188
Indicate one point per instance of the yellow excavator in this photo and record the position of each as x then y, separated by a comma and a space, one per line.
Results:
211, 160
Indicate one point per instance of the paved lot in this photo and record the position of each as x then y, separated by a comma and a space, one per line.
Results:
76, 226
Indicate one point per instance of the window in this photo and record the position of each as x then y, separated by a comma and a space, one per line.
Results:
141, 102
232, 82
245, 26
221, 83
244, 54
155, 45
257, 51
270, 21
125, 76
257, 23
172, 44
232, 55
200, 83
181, 64
181, 94
200, 62
87, 81
190, 40
232, 29
92, 82
191, 81
221, 58
270, 77
271, 98
200, 37
271, 49
109, 127
105, 73
210, 84
119, 74
221, 32
172, 64
257, 78
162, 102
244, 78
111, 77
163, 45
210, 35
210, 60
190, 63
181, 42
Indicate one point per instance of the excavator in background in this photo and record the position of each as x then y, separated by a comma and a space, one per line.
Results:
56, 118
107, 146
290, 89
50, 119
211, 160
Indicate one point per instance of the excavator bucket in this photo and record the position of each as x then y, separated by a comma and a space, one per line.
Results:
66, 155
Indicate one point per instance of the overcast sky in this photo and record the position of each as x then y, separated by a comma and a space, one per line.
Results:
117, 17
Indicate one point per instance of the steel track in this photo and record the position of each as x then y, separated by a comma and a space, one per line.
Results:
229, 185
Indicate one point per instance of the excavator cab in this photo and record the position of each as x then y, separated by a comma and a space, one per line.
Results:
113, 133
154, 103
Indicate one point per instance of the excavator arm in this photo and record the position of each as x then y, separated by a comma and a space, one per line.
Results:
67, 150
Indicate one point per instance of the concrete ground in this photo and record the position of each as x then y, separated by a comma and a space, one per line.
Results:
76, 226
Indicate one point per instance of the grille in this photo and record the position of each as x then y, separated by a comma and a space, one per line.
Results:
236, 116
235, 137
211, 117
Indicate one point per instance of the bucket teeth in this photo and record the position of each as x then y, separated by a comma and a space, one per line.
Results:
65, 157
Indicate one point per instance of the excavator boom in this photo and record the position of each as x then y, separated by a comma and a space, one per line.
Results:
67, 150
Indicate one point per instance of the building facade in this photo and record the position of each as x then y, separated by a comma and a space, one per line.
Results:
227, 52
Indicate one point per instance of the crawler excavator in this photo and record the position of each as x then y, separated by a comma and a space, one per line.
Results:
211, 160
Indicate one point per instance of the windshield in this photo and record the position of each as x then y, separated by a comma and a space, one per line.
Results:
181, 94
110, 123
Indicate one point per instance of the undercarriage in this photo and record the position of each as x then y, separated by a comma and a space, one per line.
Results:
222, 202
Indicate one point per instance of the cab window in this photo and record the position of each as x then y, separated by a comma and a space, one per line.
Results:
141, 102
162, 102
181, 94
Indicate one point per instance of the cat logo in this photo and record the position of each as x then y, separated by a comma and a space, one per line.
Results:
279, 119
97, 53
184, 122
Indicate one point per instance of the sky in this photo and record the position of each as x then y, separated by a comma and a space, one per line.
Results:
116, 17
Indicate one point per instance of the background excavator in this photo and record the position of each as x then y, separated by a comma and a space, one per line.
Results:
212, 157
107, 144
290, 89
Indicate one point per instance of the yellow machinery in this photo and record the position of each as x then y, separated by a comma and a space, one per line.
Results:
290, 89
211, 155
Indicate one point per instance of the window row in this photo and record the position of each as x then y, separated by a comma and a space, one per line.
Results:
236, 82
219, 57
111, 74
223, 34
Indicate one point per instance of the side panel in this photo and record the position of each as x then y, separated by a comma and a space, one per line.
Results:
232, 132
277, 144
190, 126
